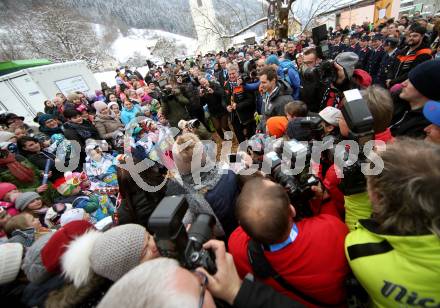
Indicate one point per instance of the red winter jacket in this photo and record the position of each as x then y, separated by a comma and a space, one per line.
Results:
314, 263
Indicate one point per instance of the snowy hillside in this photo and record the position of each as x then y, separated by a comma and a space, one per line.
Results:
142, 41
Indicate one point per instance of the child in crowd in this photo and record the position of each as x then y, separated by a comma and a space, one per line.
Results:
20, 132
24, 229
8, 194
295, 109
276, 126
30, 202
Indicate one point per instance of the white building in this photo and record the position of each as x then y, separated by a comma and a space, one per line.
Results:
207, 25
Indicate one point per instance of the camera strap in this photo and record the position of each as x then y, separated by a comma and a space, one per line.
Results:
263, 269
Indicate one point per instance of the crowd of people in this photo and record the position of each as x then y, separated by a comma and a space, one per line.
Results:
75, 220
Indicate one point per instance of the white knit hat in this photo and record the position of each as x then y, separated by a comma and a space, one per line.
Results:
10, 261
72, 215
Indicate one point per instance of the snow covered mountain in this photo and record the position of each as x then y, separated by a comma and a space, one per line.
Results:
169, 15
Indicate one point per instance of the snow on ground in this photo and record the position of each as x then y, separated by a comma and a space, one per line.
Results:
141, 40
109, 76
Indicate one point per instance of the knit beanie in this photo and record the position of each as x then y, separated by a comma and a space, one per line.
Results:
10, 261
43, 118
348, 61
117, 251
99, 106
57, 244
32, 264
276, 126
5, 188
6, 136
24, 199
112, 104
425, 77
72, 215
431, 111
272, 59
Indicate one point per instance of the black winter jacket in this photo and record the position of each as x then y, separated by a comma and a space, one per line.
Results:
274, 105
214, 100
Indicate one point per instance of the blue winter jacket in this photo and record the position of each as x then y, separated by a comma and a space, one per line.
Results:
288, 72
128, 115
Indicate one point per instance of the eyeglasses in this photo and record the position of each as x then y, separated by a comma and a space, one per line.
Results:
203, 283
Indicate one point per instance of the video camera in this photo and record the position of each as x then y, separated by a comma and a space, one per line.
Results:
320, 38
174, 241
325, 72
298, 187
313, 125
360, 122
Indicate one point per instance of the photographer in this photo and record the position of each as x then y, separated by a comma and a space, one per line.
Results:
240, 104
357, 203
188, 87
165, 284
326, 81
211, 94
174, 105
298, 251
392, 253
208, 191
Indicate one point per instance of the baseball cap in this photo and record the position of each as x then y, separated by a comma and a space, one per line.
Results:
331, 115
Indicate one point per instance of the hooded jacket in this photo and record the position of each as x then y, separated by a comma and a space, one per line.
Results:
128, 115
287, 72
395, 270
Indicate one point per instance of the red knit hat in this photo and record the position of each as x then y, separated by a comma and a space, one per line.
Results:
277, 126
5, 188
57, 245
362, 78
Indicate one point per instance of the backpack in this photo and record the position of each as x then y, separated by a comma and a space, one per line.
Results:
285, 66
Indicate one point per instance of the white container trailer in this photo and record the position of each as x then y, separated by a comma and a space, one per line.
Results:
24, 92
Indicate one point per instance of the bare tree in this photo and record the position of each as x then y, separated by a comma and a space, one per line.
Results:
309, 13
57, 34
9, 49
166, 49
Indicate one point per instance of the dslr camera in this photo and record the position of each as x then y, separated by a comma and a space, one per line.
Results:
325, 72
298, 187
172, 239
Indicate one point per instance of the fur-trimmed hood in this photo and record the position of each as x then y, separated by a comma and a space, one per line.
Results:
76, 260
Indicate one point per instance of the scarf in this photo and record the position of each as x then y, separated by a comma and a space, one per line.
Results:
18, 170
50, 131
196, 199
